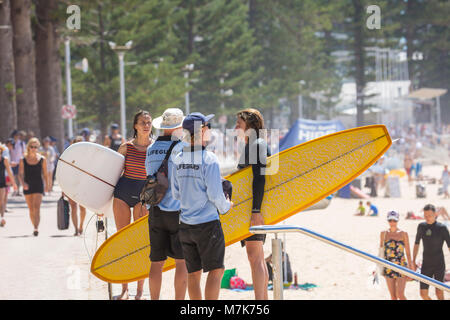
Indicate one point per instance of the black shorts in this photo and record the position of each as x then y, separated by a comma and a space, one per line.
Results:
163, 228
129, 190
255, 237
203, 246
435, 272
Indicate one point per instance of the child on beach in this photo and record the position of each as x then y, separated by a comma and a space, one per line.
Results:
361, 210
196, 182
373, 210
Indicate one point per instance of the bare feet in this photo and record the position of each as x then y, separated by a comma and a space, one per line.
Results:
139, 296
123, 296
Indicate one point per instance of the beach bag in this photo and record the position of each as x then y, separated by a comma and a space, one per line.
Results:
225, 284
237, 283
156, 185
63, 215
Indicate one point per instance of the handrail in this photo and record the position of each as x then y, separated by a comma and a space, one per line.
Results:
362, 254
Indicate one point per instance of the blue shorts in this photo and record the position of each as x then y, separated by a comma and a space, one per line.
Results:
128, 190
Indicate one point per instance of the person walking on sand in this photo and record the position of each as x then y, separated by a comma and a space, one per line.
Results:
433, 235
395, 244
4, 167
130, 184
33, 177
197, 184
163, 222
445, 178
249, 124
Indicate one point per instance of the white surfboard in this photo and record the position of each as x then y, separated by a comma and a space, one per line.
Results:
88, 173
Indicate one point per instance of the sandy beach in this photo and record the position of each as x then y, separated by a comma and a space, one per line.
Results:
55, 265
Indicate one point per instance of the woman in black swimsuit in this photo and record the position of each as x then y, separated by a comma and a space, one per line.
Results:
250, 124
32, 175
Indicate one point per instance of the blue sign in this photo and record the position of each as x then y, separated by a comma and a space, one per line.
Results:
304, 130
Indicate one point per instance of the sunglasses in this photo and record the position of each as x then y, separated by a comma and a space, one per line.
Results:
208, 125
34, 147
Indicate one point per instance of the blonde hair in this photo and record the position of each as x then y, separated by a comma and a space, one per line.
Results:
77, 139
30, 142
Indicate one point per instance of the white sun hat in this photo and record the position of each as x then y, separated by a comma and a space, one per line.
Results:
172, 118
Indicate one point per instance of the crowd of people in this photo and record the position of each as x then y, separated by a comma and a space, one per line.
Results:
185, 224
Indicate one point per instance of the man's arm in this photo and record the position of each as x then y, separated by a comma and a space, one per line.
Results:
416, 246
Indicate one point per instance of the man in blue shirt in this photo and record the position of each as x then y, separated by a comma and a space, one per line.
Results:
164, 218
196, 182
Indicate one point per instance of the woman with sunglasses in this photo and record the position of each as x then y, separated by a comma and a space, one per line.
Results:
33, 177
395, 244
130, 184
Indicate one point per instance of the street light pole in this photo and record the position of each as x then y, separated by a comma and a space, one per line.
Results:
123, 124
187, 69
68, 86
120, 50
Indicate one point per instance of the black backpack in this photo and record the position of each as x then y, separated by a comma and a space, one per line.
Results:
156, 185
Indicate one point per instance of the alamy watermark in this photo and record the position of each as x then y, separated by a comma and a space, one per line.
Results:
73, 22
374, 20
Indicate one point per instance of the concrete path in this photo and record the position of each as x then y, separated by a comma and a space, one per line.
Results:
53, 265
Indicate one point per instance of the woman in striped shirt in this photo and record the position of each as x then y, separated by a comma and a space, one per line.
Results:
126, 193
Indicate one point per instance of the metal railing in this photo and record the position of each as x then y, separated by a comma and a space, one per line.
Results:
276, 255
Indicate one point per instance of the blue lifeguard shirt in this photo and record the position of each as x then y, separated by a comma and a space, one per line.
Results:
156, 153
197, 183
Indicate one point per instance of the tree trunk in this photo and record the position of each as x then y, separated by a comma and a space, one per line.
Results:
8, 119
358, 47
48, 71
27, 107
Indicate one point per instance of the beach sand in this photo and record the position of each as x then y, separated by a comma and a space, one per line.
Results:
55, 265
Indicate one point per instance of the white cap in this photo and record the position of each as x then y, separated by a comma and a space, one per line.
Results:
172, 118
393, 215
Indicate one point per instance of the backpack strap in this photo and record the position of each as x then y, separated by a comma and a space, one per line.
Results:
169, 151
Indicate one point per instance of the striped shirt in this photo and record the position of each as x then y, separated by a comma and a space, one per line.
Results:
135, 163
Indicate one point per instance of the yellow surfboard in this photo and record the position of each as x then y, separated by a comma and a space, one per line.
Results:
306, 174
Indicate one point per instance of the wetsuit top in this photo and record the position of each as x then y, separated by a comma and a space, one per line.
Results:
115, 143
433, 237
255, 154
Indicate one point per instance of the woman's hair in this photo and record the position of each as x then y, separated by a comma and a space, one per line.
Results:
136, 119
30, 142
253, 119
